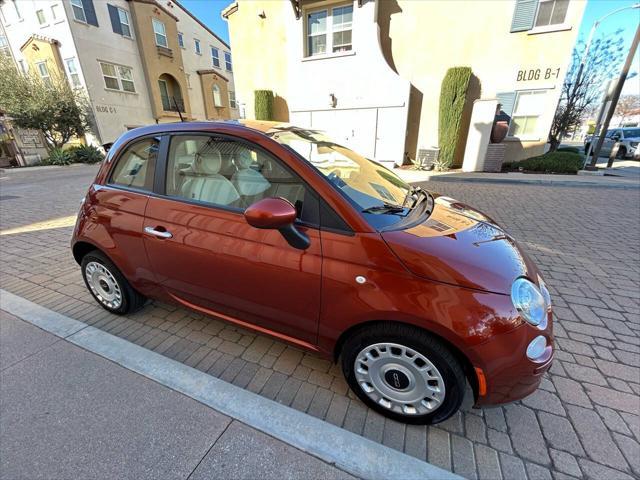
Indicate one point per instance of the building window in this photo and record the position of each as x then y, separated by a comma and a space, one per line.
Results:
160, 33
18, 14
4, 46
551, 12
125, 25
342, 21
215, 57
180, 40
43, 71
54, 12
23, 66
329, 31
217, 97
232, 99
227, 61
117, 77
41, 18
196, 43
72, 70
78, 10
526, 113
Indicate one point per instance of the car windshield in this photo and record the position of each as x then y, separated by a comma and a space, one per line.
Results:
370, 186
631, 132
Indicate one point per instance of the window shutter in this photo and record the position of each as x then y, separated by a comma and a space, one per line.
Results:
507, 101
524, 15
90, 12
115, 19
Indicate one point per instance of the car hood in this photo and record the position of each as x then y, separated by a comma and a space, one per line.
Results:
461, 246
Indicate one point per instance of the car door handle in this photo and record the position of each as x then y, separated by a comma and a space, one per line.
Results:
157, 233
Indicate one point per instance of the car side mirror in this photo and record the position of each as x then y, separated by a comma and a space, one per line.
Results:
277, 214
616, 137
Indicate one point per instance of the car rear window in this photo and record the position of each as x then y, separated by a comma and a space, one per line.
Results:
136, 165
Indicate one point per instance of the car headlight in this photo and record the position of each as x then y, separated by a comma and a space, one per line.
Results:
634, 144
545, 293
529, 301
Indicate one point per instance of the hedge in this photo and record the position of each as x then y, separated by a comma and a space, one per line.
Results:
568, 149
453, 95
552, 162
264, 104
75, 154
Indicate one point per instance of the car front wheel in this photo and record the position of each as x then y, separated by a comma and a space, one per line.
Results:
404, 373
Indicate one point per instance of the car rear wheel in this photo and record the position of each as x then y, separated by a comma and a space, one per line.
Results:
108, 286
404, 373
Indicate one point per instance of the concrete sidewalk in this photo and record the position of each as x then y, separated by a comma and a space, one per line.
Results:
68, 413
607, 181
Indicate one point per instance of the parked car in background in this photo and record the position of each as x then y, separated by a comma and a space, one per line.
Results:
628, 137
281, 230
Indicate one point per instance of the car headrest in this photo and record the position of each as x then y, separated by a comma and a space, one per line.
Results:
208, 163
243, 159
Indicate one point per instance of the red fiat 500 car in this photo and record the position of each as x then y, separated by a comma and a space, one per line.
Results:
280, 230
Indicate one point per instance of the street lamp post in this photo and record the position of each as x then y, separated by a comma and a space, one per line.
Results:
615, 96
592, 32
583, 60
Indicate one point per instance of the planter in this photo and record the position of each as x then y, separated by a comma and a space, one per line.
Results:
494, 158
499, 131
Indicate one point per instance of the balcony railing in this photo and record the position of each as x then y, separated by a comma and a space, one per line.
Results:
172, 104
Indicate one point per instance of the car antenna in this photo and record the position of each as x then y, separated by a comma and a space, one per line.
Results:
177, 108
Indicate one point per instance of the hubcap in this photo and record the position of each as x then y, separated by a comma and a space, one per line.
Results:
103, 285
399, 378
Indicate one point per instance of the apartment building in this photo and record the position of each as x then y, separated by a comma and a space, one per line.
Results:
139, 61
369, 71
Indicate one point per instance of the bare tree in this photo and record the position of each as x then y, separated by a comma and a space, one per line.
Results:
577, 100
628, 105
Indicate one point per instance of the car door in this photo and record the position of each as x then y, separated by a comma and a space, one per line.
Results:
118, 208
609, 142
208, 257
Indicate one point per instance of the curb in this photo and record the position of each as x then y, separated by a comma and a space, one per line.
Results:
549, 183
349, 452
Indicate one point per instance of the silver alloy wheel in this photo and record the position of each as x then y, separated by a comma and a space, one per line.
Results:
399, 378
103, 285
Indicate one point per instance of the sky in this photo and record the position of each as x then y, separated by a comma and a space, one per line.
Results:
627, 20
208, 11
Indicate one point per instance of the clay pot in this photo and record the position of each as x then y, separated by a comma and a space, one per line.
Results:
499, 131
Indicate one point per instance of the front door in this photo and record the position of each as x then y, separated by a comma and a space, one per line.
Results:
206, 255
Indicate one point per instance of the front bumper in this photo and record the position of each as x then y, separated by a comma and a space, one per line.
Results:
508, 373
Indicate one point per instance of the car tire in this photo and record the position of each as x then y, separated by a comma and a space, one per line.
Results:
404, 373
622, 153
108, 286
586, 148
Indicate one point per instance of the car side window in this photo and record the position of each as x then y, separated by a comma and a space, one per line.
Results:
224, 172
136, 166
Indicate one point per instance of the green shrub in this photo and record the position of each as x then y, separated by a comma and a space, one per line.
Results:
568, 149
264, 104
552, 162
57, 156
85, 154
453, 95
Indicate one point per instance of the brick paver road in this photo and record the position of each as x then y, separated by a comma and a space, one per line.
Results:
583, 422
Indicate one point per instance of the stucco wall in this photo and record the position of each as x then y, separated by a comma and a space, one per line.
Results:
476, 35
114, 111
192, 62
260, 51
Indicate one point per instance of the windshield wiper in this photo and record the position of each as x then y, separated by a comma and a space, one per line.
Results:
384, 208
410, 195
